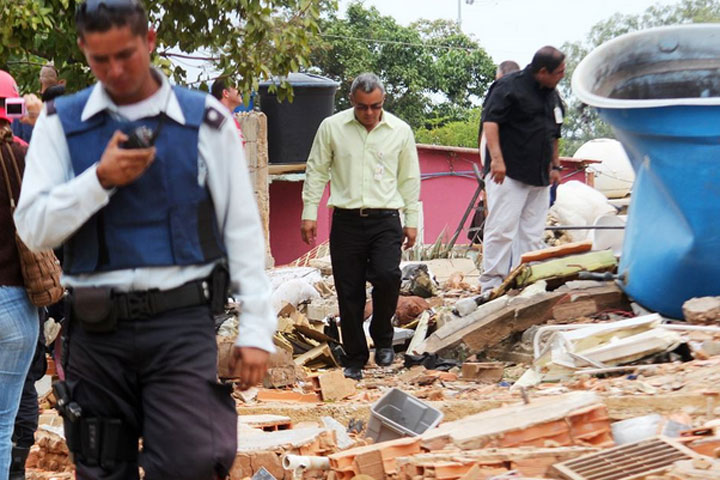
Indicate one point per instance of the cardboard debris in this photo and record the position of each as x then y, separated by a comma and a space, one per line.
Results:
320, 354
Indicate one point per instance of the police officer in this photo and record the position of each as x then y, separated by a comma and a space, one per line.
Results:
146, 186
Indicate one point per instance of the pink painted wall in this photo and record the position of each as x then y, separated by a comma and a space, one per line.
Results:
285, 212
448, 184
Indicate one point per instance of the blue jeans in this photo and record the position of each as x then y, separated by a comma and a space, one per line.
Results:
19, 328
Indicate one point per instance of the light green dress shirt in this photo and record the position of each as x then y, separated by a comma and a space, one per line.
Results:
376, 169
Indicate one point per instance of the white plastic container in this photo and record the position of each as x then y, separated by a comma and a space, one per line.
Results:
604, 239
399, 414
614, 176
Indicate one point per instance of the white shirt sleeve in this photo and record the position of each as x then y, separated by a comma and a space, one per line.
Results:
237, 214
54, 203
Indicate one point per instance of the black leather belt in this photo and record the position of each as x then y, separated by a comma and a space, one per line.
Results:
132, 305
366, 212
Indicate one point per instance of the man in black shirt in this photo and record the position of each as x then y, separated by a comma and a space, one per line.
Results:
522, 116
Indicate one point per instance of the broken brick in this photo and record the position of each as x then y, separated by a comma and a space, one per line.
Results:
484, 372
268, 395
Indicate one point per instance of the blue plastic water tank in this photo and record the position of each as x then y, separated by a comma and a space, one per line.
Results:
660, 91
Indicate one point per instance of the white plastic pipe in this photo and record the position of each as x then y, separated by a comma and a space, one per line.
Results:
303, 462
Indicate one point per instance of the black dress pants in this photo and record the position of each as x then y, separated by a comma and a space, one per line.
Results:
159, 376
366, 248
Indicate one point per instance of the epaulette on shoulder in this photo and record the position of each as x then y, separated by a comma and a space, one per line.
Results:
213, 117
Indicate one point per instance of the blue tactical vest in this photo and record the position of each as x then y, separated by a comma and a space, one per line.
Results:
165, 217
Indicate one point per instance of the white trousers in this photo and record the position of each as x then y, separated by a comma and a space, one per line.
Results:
514, 225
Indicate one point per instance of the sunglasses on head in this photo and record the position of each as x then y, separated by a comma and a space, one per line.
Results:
92, 6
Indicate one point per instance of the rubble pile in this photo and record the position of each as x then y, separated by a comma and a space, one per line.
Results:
554, 375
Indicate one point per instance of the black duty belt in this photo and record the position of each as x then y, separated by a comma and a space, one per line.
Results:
366, 212
131, 305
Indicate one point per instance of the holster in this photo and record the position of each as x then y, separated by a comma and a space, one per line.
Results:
219, 288
93, 309
71, 413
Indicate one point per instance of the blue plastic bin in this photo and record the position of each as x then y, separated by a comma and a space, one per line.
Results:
660, 91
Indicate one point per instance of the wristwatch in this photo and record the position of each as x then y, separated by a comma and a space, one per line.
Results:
557, 167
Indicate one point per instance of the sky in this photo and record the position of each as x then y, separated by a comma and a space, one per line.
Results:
514, 29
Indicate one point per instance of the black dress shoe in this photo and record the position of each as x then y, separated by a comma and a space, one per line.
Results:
384, 356
353, 372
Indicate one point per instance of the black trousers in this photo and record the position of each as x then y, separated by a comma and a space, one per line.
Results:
159, 376
365, 249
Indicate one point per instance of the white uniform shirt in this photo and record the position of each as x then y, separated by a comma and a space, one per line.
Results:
54, 203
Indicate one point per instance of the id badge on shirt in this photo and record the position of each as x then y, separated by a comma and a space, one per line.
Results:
379, 171
558, 115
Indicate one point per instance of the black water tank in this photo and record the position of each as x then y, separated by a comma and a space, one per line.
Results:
292, 126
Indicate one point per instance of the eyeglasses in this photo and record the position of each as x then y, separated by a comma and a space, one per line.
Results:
364, 108
92, 6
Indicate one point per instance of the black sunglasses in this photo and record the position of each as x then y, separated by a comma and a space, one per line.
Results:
92, 6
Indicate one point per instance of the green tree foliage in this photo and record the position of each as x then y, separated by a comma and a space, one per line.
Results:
583, 124
252, 39
457, 133
432, 71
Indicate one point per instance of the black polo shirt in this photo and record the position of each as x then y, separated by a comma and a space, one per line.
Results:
525, 114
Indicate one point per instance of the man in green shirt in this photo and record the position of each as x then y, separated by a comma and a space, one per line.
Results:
370, 159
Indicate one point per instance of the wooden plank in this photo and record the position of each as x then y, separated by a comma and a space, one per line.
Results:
496, 328
557, 251
452, 332
322, 350
281, 169
606, 297
573, 310
420, 333
567, 267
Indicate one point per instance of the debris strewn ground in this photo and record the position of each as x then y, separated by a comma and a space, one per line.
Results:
548, 377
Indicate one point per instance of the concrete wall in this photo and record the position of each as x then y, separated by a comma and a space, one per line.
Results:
254, 129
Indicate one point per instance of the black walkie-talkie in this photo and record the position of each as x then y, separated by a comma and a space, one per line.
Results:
144, 137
